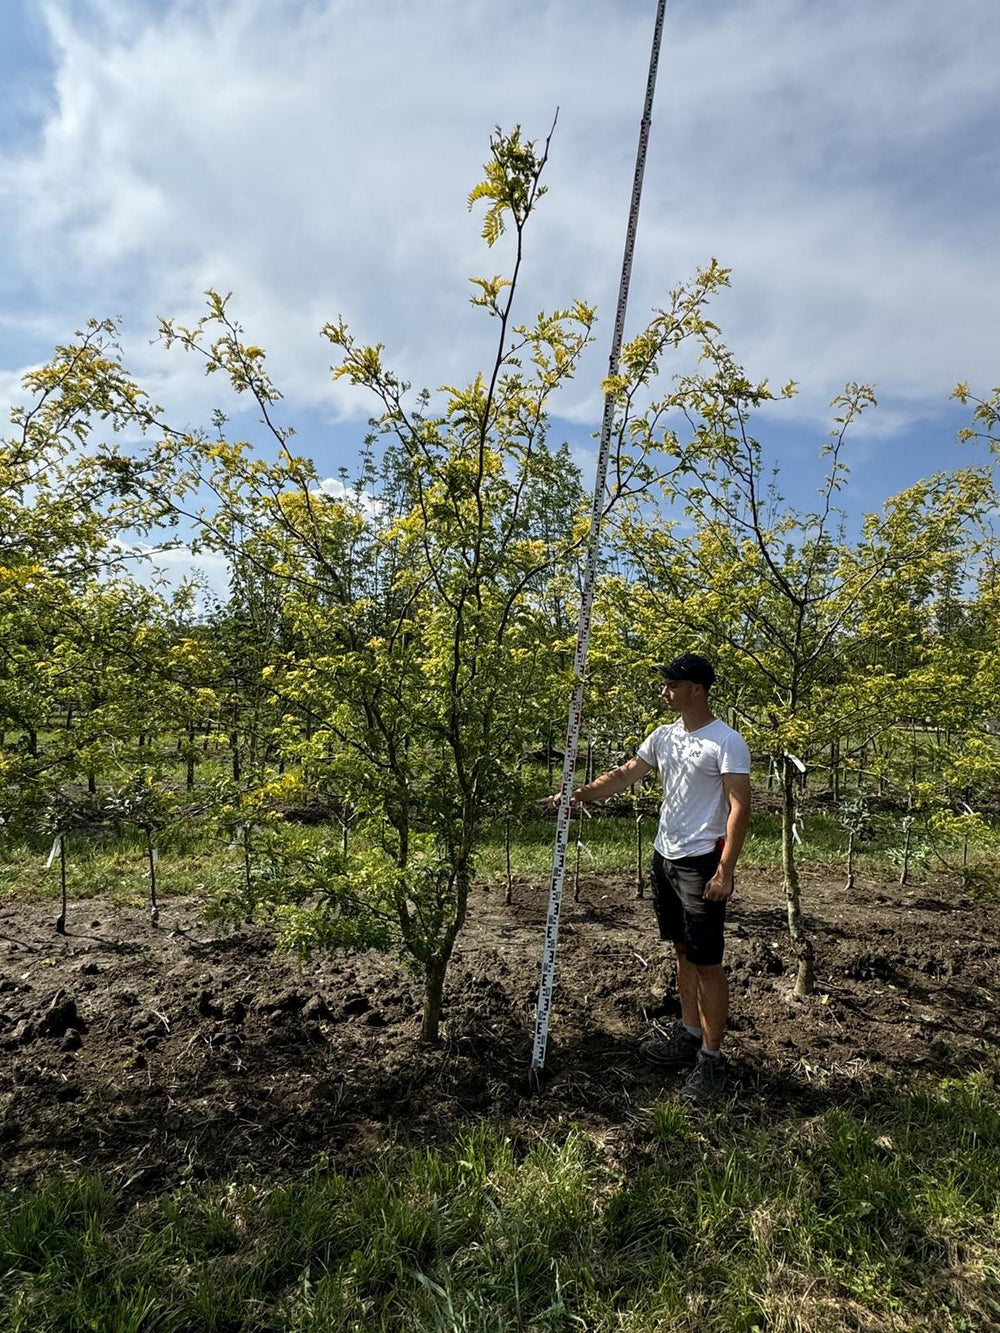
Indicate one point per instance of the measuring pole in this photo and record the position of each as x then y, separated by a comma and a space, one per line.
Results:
590, 578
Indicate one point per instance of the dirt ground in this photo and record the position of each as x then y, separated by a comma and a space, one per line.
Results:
168, 1054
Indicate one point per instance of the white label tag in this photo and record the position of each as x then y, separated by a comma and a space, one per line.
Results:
54, 852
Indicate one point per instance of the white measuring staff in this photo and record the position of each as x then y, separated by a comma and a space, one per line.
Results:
590, 577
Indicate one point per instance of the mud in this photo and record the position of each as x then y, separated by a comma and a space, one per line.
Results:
167, 1053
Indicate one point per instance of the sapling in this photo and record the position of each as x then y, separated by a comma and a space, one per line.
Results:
904, 869
640, 876
579, 849
61, 920
63, 815
149, 809
509, 895
854, 816
154, 910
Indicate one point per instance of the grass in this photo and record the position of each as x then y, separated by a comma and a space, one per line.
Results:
609, 844
191, 861
118, 868
879, 1218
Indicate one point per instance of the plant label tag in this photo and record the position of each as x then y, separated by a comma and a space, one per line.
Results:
54, 851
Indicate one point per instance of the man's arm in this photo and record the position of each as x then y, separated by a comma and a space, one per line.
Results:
737, 789
608, 784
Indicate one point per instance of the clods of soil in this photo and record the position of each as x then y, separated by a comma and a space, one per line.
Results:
166, 1053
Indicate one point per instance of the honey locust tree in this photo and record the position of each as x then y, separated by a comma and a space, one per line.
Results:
418, 601
57, 553
469, 654
790, 606
420, 638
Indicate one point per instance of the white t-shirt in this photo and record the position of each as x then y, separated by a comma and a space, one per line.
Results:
691, 764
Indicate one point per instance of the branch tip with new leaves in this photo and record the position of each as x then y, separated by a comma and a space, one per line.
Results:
511, 182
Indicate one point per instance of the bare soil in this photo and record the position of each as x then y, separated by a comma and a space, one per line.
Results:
167, 1053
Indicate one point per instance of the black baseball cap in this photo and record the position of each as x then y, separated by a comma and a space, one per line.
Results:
689, 666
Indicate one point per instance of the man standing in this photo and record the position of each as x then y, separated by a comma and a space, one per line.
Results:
704, 766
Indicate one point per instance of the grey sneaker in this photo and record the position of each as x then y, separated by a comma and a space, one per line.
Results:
707, 1081
676, 1049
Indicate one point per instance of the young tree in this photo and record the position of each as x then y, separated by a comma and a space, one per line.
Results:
795, 610
58, 559
417, 613
420, 609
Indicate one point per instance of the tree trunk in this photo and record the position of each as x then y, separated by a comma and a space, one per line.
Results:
154, 906
640, 882
576, 864
509, 895
904, 872
434, 974
850, 860
436, 967
805, 980
61, 922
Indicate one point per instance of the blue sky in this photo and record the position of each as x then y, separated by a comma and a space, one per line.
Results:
313, 156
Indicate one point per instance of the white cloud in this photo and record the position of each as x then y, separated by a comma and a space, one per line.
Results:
315, 158
167, 569
361, 500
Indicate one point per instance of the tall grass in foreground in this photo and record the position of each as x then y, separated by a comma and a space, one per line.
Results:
880, 1218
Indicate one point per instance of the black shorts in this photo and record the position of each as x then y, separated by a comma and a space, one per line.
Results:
682, 912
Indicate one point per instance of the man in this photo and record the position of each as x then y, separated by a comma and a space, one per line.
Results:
704, 766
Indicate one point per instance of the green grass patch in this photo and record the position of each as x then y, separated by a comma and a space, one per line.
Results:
118, 868
609, 844
194, 860
882, 1217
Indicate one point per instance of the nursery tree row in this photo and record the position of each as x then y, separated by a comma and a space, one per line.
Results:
398, 641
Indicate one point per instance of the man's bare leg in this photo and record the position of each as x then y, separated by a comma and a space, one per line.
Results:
712, 990
687, 990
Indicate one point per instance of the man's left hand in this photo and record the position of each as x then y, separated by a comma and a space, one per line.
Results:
720, 887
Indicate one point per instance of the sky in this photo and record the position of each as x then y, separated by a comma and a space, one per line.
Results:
314, 157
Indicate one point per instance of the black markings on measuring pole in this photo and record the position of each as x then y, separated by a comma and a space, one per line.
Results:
547, 979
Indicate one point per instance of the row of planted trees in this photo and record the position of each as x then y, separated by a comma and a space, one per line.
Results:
396, 643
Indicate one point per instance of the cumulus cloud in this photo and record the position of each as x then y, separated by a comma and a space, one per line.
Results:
168, 568
314, 157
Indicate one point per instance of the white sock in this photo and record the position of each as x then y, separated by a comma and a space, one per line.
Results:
711, 1055
692, 1032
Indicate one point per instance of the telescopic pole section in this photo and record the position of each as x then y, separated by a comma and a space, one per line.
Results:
548, 969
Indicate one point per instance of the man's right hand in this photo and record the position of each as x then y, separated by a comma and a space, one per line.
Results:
551, 802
